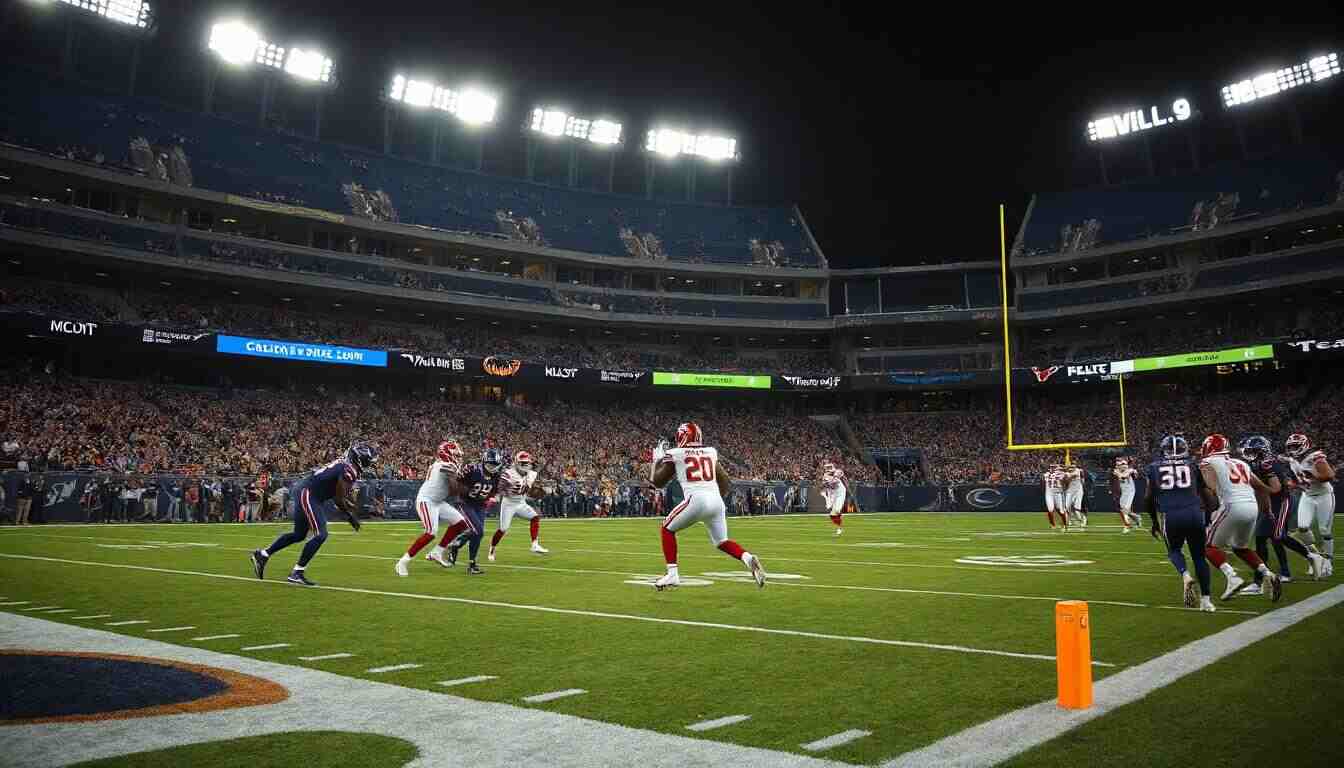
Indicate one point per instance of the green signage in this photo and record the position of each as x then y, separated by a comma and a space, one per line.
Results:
728, 380
1220, 357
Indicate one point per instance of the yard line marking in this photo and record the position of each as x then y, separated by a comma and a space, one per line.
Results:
466, 680
59, 610
326, 656
40, 608
170, 629
392, 668
718, 722
542, 698
215, 637
1220, 610
16, 602
568, 611
830, 742
1009, 735
127, 623
94, 616
266, 647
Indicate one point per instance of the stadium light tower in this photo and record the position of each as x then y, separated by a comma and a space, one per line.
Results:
238, 44
474, 106
670, 143
135, 17
557, 124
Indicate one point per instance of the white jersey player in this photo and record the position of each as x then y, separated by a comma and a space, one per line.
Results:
1053, 483
433, 508
833, 493
518, 484
1316, 498
1236, 495
704, 483
1073, 494
1122, 488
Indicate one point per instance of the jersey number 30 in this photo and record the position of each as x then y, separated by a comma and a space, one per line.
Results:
699, 469
1174, 476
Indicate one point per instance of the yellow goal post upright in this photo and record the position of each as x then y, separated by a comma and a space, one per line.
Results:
1008, 374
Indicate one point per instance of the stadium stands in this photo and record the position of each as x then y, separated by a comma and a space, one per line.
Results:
221, 155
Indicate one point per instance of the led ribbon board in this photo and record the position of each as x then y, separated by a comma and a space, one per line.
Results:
726, 380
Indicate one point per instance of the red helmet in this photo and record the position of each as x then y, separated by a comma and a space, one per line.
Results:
450, 452
1214, 444
1297, 445
523, 460
689, 434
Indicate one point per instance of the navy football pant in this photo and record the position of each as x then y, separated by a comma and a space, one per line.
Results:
309, 517
1188, 530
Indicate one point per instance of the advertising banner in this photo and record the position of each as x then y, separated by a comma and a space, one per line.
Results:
296, 350
724, 380
1308, 349
815, 383
1219, 357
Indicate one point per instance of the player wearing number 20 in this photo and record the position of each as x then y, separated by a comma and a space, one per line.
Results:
704, 483
1236, 497
1171, 490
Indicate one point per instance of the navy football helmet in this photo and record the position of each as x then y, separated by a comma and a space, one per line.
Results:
492, 461
362, 455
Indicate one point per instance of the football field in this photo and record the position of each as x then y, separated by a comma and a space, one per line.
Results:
907, 630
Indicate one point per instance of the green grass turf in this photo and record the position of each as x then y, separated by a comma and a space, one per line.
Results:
330, 749
665, 676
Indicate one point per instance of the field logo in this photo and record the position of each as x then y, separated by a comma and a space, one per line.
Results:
1021, 561
984, 498
647, 581
498, 366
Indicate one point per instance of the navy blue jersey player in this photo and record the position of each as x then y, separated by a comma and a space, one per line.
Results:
1273, 525
480, 482
1173, 490
333, 483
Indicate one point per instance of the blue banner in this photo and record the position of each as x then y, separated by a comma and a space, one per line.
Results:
297, 350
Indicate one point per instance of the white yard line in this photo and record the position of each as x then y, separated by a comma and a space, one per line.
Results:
127, 623
443, 727
326, 656
392, 668
215, 637
169, 629
1009, 735
265, 647
15, 602
831, 742
94, 616
542, 698
466, 680
570, 611
718, 722
40, 608
59, 610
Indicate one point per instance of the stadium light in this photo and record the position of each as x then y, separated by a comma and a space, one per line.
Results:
239, 44
557, 122
1137, 121
234, 41
671, 142
309, 65
1268, 84
471, 105
134, 13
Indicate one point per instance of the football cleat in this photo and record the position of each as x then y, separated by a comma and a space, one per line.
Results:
401, 568
452, 555
1206, 605
1275, 585
1234, 585
297, 577
259, 563
1285, 578
1329, 566
490, 555
1315, 566
435, 557
1126, 529
1191, 593
757, 570
473, 569
667, 581
539, 550
1254, 589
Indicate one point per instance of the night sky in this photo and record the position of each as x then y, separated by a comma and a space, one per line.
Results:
896, 135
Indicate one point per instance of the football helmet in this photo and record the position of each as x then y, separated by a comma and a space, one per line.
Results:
688, 434
362, 455
1175, 447
1255, 448
1214, 444
1297, 445
450, 452
828, 468
492, 461
522, 461
1122, 463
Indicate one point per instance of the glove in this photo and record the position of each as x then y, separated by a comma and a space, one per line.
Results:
659, 451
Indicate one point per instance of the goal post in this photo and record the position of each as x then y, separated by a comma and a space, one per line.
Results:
1008, 372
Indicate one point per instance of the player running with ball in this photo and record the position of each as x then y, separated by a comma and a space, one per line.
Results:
443, 480
517, 484
704, 484
1122, 488
833, 493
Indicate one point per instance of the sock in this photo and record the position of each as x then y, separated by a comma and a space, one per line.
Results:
1250, 558
1304, 536
1329, 547
731, 548
451, 533
836, 519
499, 534
405, 557
475, 542
1228, 571
1177, 559
1201, 570
1215, 556
419, 544
535, 528
672, 569
1295, 545
669, 548
299, 568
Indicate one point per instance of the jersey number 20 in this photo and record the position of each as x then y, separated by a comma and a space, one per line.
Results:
699, 469
1174, 476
